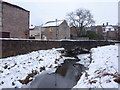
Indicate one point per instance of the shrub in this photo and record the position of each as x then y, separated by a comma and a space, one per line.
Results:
93, 36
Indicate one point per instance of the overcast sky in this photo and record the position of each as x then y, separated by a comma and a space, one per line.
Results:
42, 11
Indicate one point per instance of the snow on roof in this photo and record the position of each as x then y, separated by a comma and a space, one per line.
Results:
52, 23
109, 28
4, 2
31, 27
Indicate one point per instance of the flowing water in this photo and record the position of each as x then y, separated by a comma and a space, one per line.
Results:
66, 76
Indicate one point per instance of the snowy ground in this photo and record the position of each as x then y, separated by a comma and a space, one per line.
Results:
15, 70
103, 70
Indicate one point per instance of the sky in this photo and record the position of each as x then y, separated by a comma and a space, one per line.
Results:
42, 11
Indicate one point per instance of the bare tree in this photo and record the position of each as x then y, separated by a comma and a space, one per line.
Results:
80, 19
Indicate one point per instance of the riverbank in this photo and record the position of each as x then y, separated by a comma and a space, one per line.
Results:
15, 72
21, 70
103, 70
102, 64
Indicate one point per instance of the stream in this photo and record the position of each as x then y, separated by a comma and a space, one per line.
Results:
66, 76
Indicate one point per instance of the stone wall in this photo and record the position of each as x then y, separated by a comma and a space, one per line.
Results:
18, 47
112, 35
50, 33
64, 31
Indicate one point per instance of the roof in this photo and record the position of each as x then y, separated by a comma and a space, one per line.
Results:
53, 23
35, 28
31, 27
109, 28
14, 5
116, 26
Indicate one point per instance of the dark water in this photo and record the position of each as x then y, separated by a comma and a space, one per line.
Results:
65, 76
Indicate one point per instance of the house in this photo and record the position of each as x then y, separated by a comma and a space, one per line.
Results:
35, 32
99, 29
14, 21
55, 30
109, 32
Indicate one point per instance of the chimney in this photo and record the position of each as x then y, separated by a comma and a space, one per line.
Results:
107, 24
103, 24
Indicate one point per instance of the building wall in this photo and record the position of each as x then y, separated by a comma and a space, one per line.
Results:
64, 31
119, 13
112, 35
57, 32
119, 20
99, 30
0, 16
49, 32
35, 32
15, 21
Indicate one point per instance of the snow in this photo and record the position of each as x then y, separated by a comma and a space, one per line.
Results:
102, 69
53, 23
13, 69
109, 28
84, 59
31, 27
56, 40
100, 73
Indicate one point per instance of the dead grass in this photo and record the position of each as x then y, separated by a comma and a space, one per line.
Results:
42, 69
116, 76
27, 79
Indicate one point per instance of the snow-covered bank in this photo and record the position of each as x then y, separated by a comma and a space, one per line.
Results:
84, 59
103, 70
15, 69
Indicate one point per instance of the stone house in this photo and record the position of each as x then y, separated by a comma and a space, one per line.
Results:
14, 21
99, 29
110, 32
55, 30
35, 32
107, 31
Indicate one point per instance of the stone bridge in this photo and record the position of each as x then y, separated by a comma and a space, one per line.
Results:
17, 47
